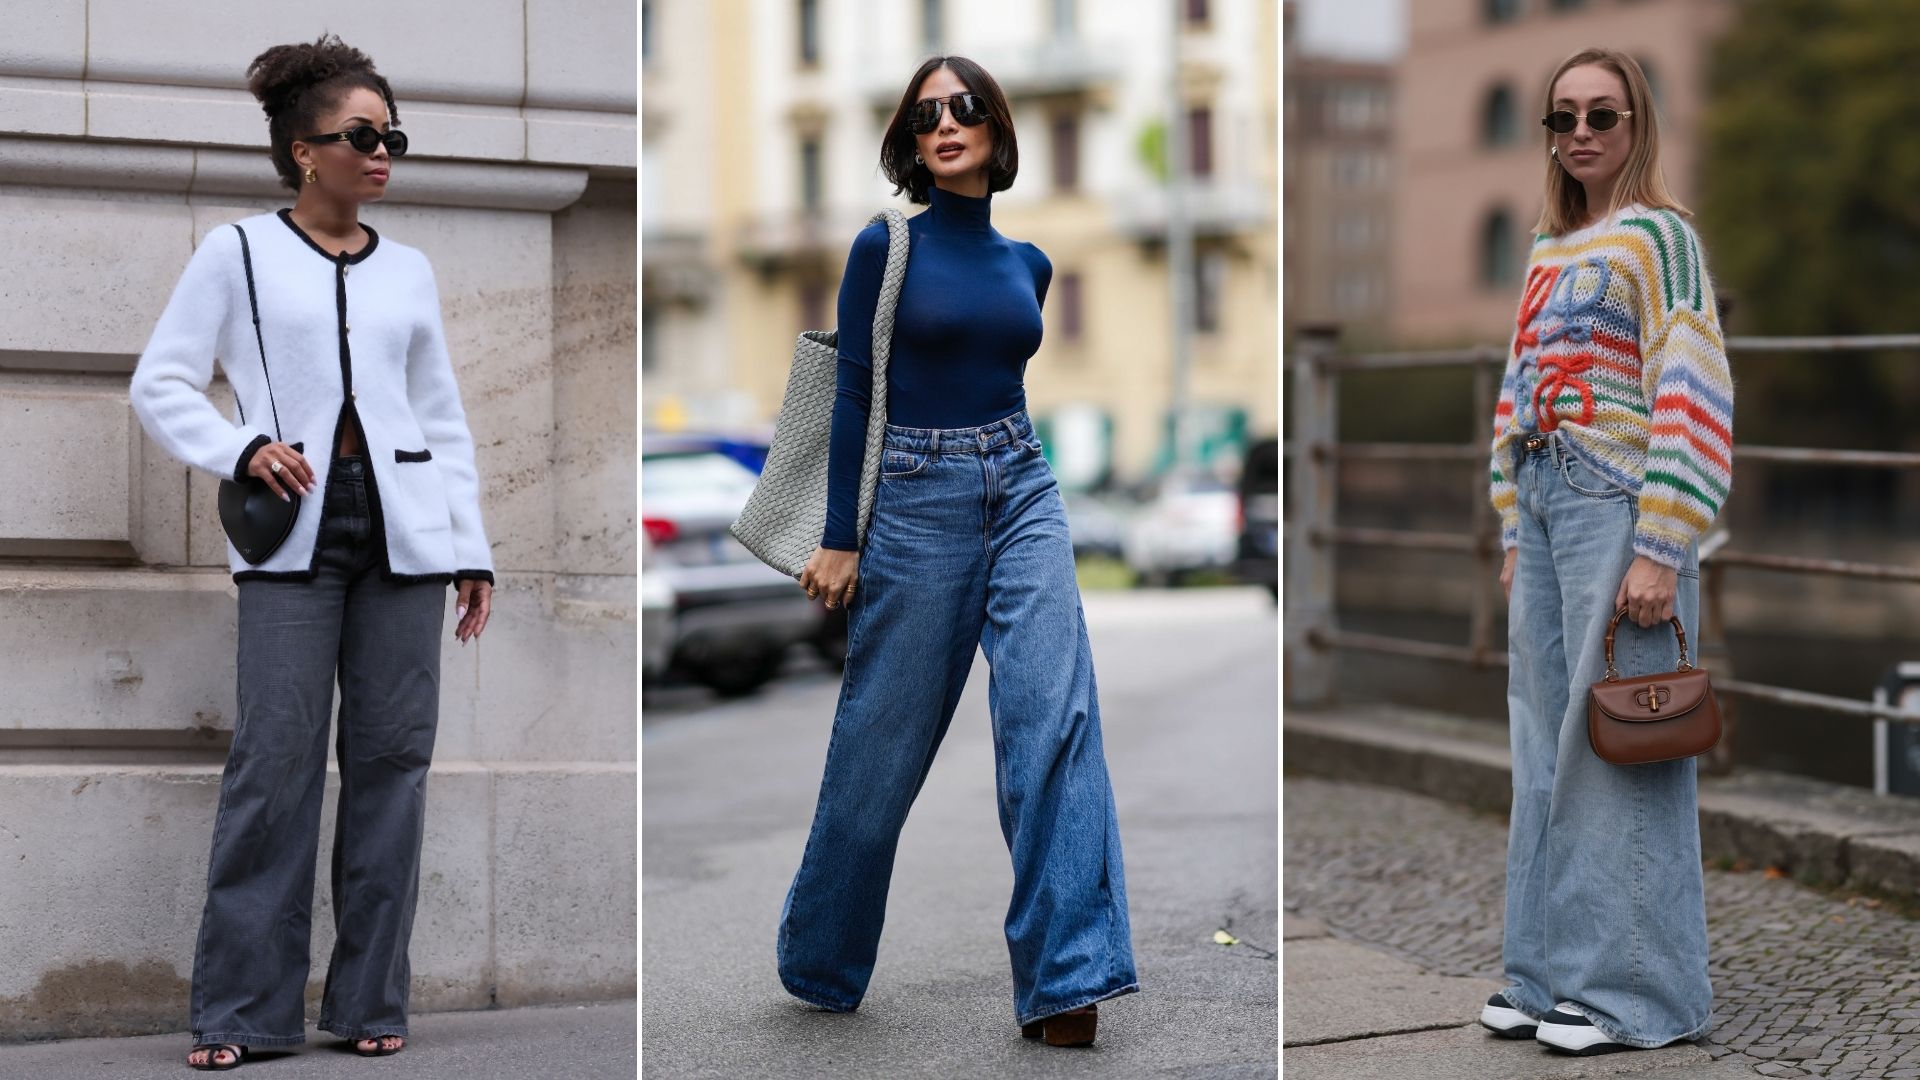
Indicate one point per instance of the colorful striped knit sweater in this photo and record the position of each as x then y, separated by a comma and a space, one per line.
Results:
1618, 346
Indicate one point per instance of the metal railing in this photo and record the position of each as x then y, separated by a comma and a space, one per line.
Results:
1313, 531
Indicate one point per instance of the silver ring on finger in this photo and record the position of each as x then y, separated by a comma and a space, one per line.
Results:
274, 467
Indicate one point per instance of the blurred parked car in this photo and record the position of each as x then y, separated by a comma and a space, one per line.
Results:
1096, 528
1190, 523
734, 615
656, 614
748, 450
1258, 560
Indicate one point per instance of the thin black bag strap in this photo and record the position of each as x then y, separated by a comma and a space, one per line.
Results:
253, 301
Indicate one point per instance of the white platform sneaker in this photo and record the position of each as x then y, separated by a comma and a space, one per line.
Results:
1565, 1029
1504, 1020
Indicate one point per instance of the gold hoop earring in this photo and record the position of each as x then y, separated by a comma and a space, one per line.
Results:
312, 177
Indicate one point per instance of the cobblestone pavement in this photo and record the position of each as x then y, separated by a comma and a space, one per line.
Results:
1805, 984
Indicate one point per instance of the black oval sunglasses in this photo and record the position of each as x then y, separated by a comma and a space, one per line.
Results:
1563, 121
364, 138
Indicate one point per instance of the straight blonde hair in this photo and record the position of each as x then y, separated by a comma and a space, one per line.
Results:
1640, 178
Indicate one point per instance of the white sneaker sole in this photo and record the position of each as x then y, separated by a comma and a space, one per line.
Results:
1507, 1023
1577, 1039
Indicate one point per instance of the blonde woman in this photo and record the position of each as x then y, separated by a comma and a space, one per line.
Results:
1612, 453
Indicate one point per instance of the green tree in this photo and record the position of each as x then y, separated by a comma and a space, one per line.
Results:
1811, 193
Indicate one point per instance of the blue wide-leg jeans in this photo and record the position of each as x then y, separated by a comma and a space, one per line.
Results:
966, 548
1605, 904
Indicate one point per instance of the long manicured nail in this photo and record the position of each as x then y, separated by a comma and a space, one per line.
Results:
460, 611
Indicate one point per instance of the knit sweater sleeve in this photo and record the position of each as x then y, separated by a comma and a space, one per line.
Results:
435, 399
168, 390
1689, 392
853, 390
1501, 490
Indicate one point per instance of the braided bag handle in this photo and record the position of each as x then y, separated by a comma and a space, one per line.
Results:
787, 512
894, 276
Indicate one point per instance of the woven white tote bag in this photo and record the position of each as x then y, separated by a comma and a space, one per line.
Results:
787, 512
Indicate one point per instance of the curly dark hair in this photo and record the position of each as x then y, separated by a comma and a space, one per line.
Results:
897, 149
296, 83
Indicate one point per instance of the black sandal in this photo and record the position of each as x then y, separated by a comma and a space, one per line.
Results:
379, 1050
213, 1053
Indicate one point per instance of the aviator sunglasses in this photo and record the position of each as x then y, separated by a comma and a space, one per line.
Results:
364, 138
968, 109
1563, 121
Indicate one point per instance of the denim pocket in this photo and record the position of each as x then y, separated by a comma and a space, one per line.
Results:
1032, 442
1583, 479
898, 464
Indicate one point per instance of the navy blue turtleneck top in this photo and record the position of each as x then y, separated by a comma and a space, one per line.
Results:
968, 321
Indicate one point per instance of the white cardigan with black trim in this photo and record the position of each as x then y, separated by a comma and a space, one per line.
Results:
349, 339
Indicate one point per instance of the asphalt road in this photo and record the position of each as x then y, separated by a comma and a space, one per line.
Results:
1189, 704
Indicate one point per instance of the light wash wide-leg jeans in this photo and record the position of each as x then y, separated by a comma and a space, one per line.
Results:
966, 548
1605, 906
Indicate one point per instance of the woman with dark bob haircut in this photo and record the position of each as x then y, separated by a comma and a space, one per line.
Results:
330, 336
966, 547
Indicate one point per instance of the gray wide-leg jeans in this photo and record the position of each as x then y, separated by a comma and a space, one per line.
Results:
383, 639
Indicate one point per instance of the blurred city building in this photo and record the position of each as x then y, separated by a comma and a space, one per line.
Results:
1339, 191
1469, 152
761, 125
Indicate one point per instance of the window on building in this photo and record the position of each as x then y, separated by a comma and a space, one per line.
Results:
1499, 11
1065, 131
1066, 298
646, 30
1196, 11
810, 173
1498, 126
1653, 79
1200, 140
1567, 5
649, 338
1355, 230
813, 304
1066, 18
809, 31
1353, 295
1499, 255
1209, 282
931, 30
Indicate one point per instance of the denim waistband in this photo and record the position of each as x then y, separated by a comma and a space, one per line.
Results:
348, 468
960, 440
1540, 442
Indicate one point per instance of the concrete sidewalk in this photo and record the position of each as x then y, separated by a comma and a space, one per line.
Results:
1350, 1011
498, 1044
1817, 832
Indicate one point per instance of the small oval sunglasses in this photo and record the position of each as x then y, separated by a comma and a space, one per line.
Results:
968, 109
364, 138
1563, 121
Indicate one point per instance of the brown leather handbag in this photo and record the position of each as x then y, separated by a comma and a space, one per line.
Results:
1647, 718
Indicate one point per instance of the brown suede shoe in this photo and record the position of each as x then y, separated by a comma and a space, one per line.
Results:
1074, 1027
